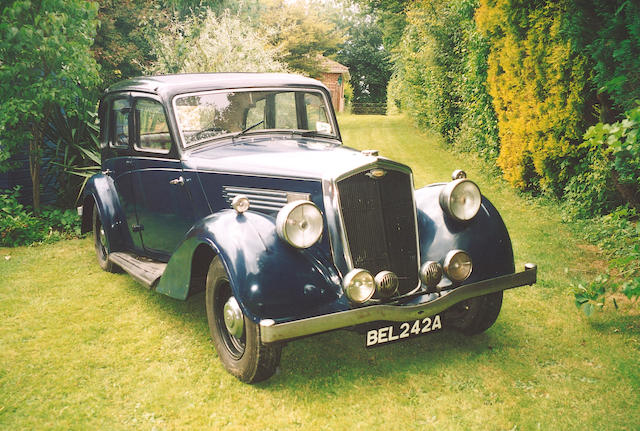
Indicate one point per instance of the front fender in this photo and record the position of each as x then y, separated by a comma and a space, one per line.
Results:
484, 237
269, 278
100, 190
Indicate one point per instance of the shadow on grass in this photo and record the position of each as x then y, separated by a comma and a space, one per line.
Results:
337, 361
616, 321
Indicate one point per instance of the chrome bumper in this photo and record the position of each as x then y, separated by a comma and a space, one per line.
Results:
271, 332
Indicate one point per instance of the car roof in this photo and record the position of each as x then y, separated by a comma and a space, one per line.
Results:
170, 85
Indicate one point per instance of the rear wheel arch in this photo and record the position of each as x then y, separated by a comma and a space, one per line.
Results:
87, 213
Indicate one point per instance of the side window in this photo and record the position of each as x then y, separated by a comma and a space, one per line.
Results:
120, 111
152, 124
286, 117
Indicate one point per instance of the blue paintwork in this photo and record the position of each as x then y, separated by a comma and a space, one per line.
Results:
484, 237
101, 190
269, 278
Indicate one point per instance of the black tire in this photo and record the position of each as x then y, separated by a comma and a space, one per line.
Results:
244, 357
101, 243
474, 315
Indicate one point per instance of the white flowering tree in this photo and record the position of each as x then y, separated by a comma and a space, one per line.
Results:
211, 43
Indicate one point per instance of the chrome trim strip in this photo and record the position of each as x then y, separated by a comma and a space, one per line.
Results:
271, 332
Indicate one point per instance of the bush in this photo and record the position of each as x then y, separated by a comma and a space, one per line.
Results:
440, 74
539, 81
18, 225
618, 235
608, 174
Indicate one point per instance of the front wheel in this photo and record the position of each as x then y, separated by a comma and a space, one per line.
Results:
474, 315
236, 338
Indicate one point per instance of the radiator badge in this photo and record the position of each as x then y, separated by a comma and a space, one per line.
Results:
376, 173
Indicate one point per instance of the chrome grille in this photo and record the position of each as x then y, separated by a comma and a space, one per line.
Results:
380, 224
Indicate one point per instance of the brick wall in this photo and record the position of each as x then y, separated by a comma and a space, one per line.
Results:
336, 90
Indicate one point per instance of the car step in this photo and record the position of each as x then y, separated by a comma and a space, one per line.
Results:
146, 271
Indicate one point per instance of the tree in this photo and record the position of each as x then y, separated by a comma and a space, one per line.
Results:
368, 61
122, 46
301, 34
214, 44
45, 64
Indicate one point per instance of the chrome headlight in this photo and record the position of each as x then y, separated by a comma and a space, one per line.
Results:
359, 285
461, 199
299, 223
457, 265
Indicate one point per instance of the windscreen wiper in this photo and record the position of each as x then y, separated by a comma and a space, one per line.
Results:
242, 132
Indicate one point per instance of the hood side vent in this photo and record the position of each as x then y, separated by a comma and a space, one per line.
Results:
265, 200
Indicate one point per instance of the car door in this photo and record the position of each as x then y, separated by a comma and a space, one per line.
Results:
160, 187
118, 162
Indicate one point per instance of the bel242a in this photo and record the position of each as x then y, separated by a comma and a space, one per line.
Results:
401, 331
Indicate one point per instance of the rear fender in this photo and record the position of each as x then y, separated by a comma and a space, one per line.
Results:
269, 278
100, 190
484, 237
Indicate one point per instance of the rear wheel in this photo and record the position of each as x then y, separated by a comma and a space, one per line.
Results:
101, 243
236, 338
475, 315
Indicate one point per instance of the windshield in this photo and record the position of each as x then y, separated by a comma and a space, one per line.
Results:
205, 116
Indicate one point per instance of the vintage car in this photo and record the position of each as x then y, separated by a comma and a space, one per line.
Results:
238, 185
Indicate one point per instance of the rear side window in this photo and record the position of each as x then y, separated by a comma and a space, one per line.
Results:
120, 110
154, 131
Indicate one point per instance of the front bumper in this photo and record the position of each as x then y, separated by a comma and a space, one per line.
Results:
271, 332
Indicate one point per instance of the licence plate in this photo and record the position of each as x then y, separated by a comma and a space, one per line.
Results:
402, 331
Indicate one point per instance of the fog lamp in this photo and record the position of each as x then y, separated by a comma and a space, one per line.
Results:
359, 285
457, 265
431, 273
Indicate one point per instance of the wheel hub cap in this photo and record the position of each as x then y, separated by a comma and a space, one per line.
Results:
233, 318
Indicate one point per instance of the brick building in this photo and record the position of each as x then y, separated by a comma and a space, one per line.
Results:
333, 76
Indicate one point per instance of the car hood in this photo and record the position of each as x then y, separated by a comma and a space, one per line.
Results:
277, 157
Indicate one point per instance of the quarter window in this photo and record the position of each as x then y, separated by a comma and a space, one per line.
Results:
120, 123
154, 132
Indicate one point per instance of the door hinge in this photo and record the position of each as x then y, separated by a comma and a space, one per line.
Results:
137, 228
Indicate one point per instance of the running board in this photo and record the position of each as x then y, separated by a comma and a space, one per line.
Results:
144, 270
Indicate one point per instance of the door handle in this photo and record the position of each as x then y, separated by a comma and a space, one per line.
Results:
177, 181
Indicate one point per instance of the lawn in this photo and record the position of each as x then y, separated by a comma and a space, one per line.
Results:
84, 349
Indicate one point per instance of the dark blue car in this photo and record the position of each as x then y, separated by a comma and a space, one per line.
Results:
238, 185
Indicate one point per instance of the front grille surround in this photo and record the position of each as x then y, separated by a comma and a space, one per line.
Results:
371, 250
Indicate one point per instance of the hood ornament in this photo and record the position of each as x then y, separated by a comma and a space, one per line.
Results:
372, 153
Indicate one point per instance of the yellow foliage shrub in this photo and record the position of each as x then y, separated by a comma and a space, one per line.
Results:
539, 83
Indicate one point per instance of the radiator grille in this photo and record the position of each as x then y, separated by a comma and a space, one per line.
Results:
380, 224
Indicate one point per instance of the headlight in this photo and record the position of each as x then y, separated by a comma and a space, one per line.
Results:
299, 223
461, 199
359, 285
457, 265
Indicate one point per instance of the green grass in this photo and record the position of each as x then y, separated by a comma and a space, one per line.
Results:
84, 349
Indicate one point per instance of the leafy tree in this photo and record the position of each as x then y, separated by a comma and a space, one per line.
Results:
122, 46
301, 34
392, 19
45, 65
213, 44
368, 61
